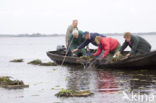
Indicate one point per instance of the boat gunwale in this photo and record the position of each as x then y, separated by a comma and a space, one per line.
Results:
130, 60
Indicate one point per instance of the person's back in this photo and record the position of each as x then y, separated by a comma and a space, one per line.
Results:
109, 43
89, 38
137, 44
93, 36
143, 45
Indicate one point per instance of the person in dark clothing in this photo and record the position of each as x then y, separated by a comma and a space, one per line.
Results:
89, 38
74, 40
137, 44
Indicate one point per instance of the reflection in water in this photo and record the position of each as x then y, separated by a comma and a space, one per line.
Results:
106, 82
82, 79
113, 81
79, 79
143, 81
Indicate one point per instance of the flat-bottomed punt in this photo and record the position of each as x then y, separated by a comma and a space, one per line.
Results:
140, 61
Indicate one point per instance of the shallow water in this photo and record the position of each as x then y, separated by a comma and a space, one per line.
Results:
108, 85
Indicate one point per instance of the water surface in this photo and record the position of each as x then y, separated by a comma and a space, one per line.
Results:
108, 85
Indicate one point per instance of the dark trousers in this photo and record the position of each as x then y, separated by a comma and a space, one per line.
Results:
69, 53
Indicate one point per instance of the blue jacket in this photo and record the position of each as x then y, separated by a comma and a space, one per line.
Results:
91, 40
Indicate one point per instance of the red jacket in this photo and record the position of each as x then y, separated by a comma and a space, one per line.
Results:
107, 44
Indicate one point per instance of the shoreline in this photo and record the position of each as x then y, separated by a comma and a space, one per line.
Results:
60, 35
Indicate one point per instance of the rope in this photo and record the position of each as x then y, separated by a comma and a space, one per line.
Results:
67, 51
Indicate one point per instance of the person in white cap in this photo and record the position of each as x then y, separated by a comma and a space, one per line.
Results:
74, 40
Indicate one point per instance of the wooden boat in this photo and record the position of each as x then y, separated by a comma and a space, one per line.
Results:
140, 61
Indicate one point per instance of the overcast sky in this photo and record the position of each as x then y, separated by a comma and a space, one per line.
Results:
53, 16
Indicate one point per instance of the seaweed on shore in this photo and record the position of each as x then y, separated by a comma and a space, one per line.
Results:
6, 82
39, 62
17, 60
71, 93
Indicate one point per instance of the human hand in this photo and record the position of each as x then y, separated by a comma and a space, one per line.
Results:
127, 55
74, 50
117, 53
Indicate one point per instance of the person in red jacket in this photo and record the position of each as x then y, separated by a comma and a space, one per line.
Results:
108, 44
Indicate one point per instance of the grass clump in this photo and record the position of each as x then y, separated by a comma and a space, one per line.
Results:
17, 60
118, 57
71, 93
49, 64
6, 82
39, 62
54, 69
35, 62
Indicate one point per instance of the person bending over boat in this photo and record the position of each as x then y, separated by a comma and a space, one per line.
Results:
137, 44
74, 40
108, 44
70, 30
89, 38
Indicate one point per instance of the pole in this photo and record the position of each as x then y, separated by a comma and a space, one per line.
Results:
67, 51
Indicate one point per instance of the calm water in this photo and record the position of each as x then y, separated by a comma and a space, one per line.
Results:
108, 86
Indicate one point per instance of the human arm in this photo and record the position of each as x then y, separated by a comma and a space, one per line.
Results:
123, 47
85, 43
99, 50
106, 47
82, 45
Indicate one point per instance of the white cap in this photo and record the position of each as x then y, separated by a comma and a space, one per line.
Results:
75, 32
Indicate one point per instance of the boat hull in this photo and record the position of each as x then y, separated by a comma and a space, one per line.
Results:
140, 61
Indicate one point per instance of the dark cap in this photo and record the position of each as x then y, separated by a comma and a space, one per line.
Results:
85, 33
